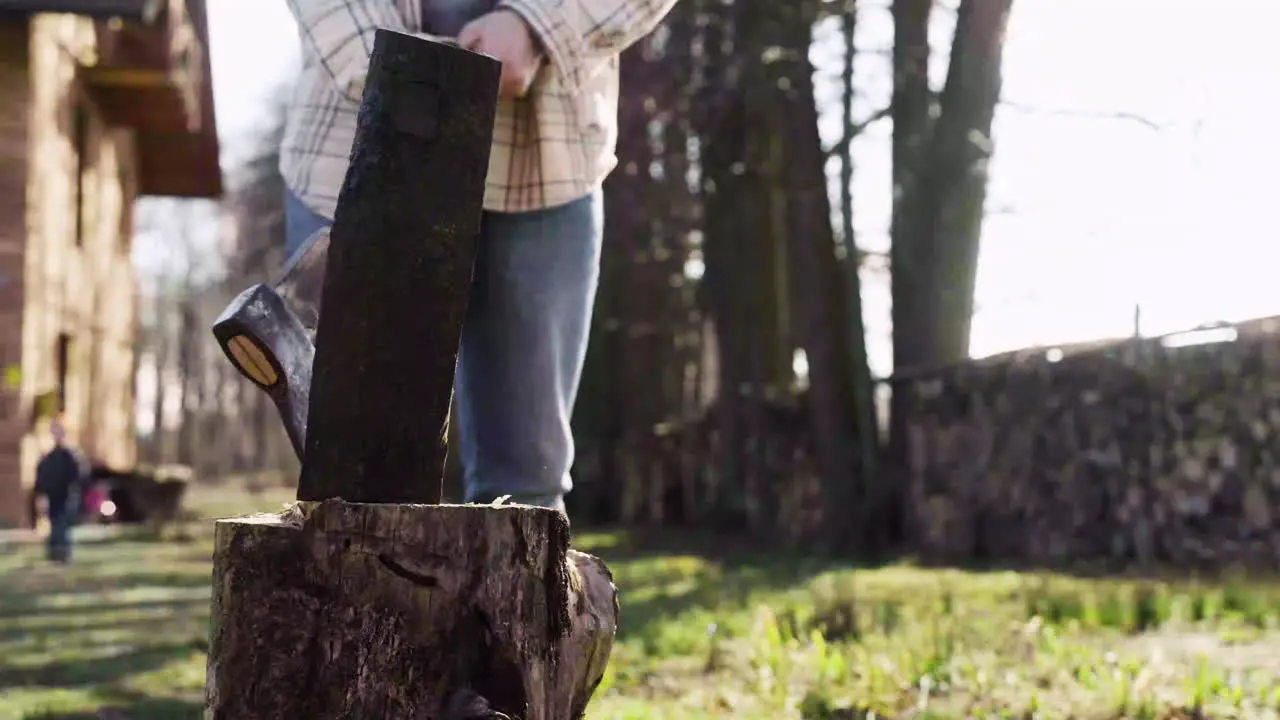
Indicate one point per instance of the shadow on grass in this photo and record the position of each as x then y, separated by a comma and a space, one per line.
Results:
92, 536
23, 604
95, 670
1108, 569
662, 576
772, 566
71, 620
118, 612
138, 708
666, 577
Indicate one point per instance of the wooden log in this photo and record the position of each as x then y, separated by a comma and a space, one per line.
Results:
398, 274
456, 612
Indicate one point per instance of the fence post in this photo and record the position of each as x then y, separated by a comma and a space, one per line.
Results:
357, 602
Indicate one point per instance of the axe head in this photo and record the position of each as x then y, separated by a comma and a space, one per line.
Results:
268, 333
266, 343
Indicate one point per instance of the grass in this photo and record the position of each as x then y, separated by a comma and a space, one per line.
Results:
710, 630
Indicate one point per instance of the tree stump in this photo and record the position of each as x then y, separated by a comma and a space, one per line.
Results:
342, 610
358, 602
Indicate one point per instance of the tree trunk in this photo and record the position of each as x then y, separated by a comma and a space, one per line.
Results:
161, 348
866, 419
911, 124
955, 175
940, 177
188, 377
824, 329
337, 610
784, 117
725, 193
766, 285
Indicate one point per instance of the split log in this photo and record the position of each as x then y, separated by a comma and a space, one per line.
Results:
398, 274
341, 610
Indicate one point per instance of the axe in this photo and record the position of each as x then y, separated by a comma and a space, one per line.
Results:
268, 331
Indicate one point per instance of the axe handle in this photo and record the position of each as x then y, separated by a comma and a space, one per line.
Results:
301, 279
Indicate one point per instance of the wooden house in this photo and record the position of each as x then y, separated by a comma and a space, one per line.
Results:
100, 101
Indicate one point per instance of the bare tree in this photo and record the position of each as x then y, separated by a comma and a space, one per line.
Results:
195, 257
254, 209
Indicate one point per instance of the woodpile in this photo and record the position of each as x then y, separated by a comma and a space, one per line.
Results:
152, 496
1134, 453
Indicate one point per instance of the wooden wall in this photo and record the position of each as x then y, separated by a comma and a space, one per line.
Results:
67, 310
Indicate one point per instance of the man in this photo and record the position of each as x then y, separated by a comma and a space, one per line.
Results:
525, 335
60, 478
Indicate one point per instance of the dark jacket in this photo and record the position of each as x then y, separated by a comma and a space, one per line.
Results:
59, 477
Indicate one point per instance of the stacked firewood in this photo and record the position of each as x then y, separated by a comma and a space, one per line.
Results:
1131, 453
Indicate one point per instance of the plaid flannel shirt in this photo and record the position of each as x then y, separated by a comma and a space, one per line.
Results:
551, 147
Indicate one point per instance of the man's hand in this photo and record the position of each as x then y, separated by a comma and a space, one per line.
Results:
504, 35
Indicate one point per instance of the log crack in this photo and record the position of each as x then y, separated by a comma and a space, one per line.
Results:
400, 571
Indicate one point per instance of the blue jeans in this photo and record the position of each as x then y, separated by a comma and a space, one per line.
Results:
523, 345
59, 540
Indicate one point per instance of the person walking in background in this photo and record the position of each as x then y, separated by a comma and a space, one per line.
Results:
525, 335
60, 478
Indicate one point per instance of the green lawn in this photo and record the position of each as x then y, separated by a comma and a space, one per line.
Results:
731, 633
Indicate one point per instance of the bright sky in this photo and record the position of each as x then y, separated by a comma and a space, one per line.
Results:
254, 51
1098, 212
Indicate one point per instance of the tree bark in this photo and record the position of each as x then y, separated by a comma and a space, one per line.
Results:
339, 610
911, 126
955, 174
823, 325
162, 343
940, 178
867, 420
725, 192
